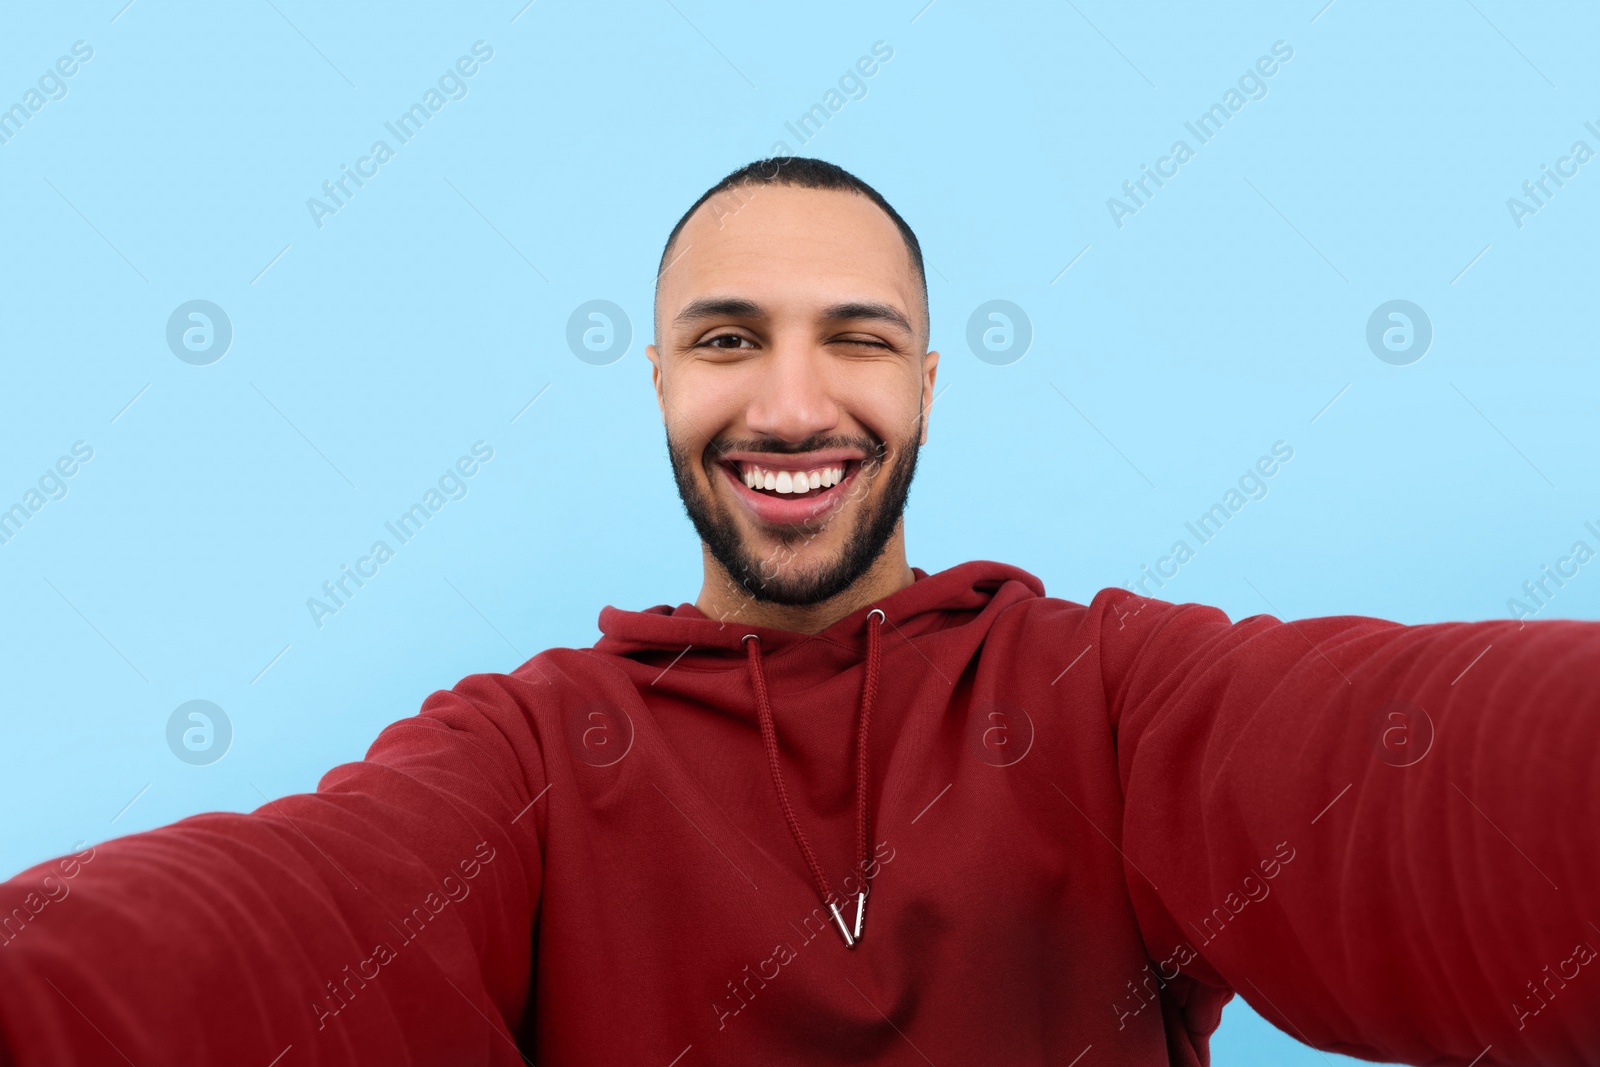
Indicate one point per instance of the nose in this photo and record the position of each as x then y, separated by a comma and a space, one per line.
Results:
793, 400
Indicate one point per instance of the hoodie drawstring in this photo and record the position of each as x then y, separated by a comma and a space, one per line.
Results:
769, 734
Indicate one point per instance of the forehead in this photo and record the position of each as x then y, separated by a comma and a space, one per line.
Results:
790, 249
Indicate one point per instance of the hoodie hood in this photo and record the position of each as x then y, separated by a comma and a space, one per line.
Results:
932, 602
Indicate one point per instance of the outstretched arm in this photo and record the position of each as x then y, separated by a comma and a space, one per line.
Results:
384, 919
1383, 837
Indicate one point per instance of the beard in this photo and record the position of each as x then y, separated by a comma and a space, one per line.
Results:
770, 576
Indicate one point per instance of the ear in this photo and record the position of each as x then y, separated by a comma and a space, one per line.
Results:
930, 370
654, 357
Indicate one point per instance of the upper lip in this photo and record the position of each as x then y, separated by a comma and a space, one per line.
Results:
795, 461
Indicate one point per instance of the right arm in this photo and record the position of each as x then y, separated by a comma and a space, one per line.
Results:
384, 919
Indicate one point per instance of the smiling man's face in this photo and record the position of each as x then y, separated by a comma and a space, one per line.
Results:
793, 376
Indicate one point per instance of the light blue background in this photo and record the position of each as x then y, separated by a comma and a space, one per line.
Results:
370, 353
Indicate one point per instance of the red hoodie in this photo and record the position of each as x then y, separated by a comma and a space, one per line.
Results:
1084, 826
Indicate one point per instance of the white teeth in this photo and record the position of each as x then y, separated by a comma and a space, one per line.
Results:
792, 482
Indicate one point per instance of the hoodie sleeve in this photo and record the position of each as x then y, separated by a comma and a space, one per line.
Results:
1383, 837
384, 919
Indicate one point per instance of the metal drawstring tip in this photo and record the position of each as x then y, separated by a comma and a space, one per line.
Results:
844, 931
861, 913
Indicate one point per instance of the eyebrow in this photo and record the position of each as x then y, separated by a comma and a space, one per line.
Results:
870, 310
716, 308
736, 307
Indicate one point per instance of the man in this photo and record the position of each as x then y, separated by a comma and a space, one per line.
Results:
842, 810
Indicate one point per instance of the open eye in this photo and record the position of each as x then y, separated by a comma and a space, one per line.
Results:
726, 341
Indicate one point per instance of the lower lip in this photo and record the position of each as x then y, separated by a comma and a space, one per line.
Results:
781, 510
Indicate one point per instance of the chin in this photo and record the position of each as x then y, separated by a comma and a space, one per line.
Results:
786, 580
813, 576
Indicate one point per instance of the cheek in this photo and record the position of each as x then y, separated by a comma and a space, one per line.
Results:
895, 424
882, 398
701, 404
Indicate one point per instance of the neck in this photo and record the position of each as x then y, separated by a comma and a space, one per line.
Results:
723, 598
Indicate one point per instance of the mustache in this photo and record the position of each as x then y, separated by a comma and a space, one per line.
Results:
720, 447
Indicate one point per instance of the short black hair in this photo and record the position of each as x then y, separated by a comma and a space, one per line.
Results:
805, 173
